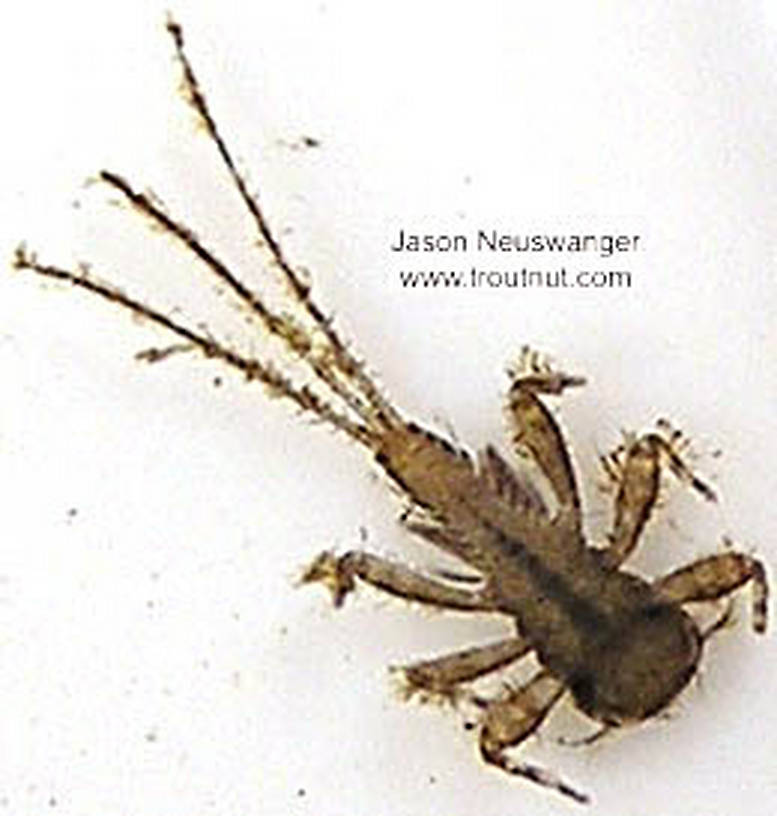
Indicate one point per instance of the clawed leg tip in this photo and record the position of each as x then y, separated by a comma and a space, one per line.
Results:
326, 569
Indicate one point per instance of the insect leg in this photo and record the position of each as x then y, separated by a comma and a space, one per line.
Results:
440, 676
638, 473
514, 718
636, 468
715, 577
339, 574
535, 431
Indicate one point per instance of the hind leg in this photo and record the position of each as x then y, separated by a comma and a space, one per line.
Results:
535, 431
339, 574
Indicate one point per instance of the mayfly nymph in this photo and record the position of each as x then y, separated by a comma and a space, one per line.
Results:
621, 646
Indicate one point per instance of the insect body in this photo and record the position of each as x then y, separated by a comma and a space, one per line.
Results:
622, 646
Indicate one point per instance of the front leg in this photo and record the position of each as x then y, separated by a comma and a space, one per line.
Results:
339, 574
512, 719
715, 577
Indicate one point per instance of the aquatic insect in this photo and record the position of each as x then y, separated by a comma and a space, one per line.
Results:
621, 646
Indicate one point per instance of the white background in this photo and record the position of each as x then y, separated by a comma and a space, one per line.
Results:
155, 657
